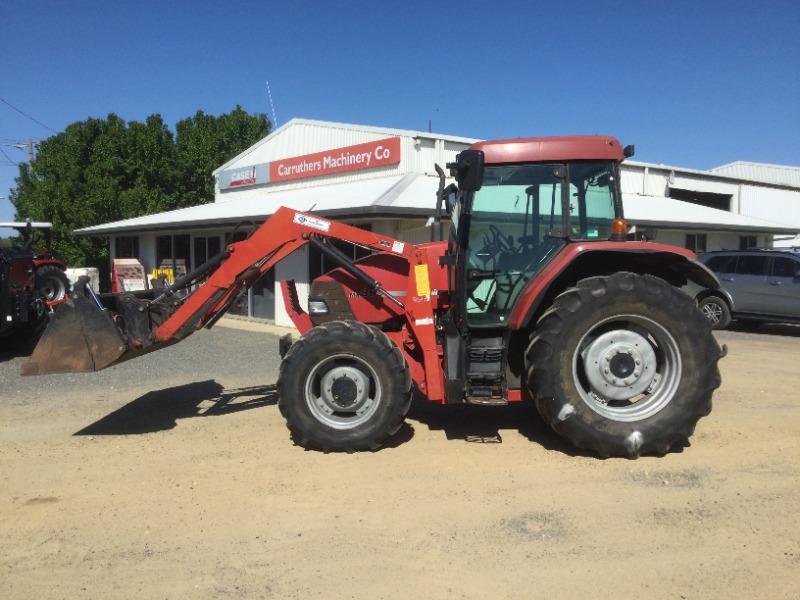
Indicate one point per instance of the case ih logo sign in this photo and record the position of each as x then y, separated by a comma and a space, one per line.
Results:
243, 177
341, 160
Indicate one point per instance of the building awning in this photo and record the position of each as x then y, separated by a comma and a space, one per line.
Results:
659, 211
403, 195
412, 195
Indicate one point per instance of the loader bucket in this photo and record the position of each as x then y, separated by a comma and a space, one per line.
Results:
80, 337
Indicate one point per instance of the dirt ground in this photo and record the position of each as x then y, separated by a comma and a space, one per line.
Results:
114, 485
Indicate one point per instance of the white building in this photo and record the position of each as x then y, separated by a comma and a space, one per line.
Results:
384, 179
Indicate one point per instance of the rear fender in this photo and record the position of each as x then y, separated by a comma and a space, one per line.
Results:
41, 262
678, 266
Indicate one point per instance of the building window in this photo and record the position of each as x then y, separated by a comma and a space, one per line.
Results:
126, 246
696, 242
318, 263
748, 241
205, 248
709, 199
172, 252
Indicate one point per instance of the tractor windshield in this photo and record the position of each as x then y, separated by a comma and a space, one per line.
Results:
520, 218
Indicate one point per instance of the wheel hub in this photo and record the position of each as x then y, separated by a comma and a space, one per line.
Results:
344, 389
620, 364
713, 312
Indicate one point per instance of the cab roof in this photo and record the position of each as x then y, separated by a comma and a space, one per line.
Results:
547, 149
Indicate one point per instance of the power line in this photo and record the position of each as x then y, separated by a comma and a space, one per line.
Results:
3, 152
27, 116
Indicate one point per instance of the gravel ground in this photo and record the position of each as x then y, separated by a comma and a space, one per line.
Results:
221, 352
173, 476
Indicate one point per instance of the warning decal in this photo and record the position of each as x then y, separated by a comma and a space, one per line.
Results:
423, 281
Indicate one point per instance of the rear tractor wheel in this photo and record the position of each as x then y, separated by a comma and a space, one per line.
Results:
623, 365
344, 386
51, 283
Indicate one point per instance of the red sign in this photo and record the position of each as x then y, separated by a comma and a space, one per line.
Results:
127, 275
341, 160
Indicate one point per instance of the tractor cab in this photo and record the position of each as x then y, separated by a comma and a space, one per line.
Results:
518, 204
510, 219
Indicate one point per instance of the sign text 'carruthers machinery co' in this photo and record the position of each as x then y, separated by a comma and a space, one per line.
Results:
369, 155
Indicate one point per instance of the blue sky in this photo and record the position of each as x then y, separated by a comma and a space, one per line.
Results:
694, 84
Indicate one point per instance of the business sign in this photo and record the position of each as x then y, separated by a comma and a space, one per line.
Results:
341, 160
244, 177
369, 155
127, 275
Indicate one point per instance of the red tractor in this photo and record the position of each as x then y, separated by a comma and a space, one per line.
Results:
31, 282
537, 295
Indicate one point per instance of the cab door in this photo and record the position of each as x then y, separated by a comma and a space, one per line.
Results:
782, 291
748, 283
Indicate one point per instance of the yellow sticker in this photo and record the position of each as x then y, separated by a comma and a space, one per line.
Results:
423, 282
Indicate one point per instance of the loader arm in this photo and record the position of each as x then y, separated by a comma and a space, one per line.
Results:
283, 233
90, 333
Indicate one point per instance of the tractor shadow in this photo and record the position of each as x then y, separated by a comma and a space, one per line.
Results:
159, 410
483, 424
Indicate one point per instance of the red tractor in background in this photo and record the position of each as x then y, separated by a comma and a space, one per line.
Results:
31, 282
537, 295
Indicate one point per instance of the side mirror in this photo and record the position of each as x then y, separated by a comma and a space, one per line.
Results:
468, 170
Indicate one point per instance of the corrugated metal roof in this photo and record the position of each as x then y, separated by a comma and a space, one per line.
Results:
414, 194
661, 211
711, 174
408, 194
776, 174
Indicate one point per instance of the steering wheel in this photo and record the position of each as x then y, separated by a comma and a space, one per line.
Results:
501, 241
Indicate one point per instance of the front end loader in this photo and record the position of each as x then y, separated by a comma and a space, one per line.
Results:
537, 295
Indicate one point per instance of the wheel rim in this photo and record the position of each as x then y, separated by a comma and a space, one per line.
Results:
712, 311
342, 391
53, 289
627, 368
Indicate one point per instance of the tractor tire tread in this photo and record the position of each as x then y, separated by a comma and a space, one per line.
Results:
547, 343
398, 390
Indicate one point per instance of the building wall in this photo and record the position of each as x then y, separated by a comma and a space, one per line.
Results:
766, 202
782, 206
715, 240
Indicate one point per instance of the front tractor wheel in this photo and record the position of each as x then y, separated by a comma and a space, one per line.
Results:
344, 386
623, 365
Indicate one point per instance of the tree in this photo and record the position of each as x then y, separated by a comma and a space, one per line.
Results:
204, 142
101, 170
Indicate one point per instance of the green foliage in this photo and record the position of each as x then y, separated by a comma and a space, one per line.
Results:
204, 142
102, 170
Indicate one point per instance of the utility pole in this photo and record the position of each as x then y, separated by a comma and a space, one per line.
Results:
23, 145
